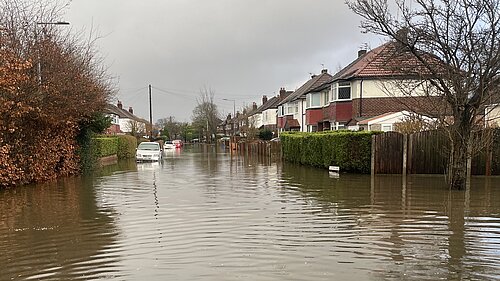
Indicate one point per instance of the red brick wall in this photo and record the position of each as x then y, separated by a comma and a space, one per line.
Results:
376, 106
340, 111
313, 116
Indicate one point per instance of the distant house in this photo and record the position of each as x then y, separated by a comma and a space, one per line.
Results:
265, 116
124, 121
292, 109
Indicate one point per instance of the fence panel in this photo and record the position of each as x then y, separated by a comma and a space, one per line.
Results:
388, 153
428, 152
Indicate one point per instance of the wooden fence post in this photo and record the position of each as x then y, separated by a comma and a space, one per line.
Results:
405, 154
373, 155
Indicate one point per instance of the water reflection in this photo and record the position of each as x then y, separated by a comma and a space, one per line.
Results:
204, 214
56, 231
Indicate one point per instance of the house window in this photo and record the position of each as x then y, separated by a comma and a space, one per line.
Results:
324, 98
333, 92
313, 100
344, 91
292, 108
280, 110
386, 127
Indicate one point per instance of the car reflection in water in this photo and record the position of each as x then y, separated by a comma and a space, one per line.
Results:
148, 166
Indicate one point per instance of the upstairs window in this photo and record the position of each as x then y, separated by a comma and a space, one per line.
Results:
313, 100
344, 91
333, 92
280, 110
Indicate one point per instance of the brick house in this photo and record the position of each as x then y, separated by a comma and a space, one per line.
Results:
365, 89
292, 109
265, 116
123, 120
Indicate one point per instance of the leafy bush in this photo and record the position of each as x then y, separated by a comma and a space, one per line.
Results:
126, 147
105, 146
351, 151
265, 134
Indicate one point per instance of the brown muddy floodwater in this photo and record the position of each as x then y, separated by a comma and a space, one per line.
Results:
205, 216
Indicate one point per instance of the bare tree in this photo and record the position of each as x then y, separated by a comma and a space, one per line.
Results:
205, 114
464, 36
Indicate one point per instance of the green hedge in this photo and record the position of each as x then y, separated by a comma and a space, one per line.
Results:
105, 146
351, 151
123, 146
126, 147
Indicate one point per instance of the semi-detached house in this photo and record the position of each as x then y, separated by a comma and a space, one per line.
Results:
292, 110
366, 89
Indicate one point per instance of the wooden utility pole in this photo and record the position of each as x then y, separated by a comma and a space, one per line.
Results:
150, 116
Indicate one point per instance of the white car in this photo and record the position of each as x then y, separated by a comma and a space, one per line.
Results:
169, 145
148, 151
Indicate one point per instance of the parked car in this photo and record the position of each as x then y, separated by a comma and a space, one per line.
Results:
169, 145
178, 143
149, 151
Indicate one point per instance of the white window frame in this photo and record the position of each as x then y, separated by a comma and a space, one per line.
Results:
343, 85
313, 97
389, 126
281, 110
325, 98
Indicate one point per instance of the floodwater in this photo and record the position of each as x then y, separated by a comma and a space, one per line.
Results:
201, 215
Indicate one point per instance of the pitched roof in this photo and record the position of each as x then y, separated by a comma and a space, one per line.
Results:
122, 113
311, 84
387, 60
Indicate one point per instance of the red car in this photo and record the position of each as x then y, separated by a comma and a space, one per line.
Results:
178, 143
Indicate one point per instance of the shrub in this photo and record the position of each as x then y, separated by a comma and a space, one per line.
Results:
351, 151
265, 134
126, 147
105, 146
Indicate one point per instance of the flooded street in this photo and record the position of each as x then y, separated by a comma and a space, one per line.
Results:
206, 216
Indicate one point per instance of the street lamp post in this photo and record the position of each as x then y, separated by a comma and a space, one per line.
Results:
39, 65
234, 114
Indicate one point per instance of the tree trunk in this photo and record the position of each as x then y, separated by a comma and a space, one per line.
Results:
457, 167
461, 142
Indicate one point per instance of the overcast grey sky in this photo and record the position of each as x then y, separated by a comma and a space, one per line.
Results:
241, 49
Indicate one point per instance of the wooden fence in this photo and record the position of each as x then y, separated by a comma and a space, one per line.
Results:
427, 153
269, 149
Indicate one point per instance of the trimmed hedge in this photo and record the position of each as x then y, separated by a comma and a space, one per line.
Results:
123, 146
105, 146
126, 147
351, 151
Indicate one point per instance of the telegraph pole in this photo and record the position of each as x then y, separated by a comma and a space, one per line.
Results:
150, 116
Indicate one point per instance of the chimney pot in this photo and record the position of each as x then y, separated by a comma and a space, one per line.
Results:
130, 110
361, 52
324, 71
264, 99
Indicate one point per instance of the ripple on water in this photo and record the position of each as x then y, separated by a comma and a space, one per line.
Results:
201, 216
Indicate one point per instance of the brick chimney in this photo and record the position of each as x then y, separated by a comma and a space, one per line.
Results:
282, 93
130, 110
264, 99
254, 106
119, 104
323, 71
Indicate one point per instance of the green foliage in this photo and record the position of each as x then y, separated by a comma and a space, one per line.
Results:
126, 147
89, 151
105, 146
265, 134
351, 151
